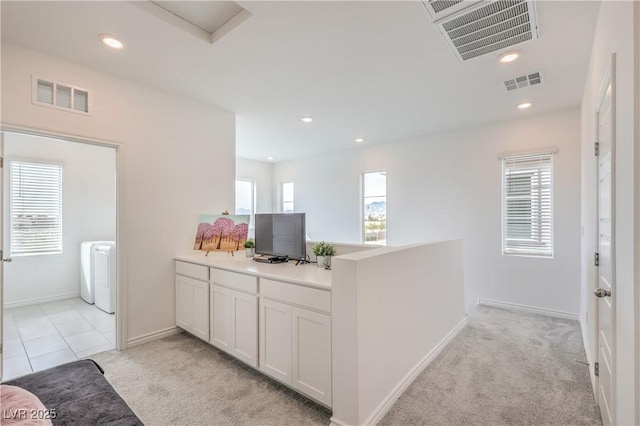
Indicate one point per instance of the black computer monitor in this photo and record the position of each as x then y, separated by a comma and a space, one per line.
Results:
281, 234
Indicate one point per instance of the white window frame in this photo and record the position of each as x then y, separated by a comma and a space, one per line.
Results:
363, 198
57, 247
283, 200
253, 201
541, 221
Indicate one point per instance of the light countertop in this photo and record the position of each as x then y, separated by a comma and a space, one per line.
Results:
308, 275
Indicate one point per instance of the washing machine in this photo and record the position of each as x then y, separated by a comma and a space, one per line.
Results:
105, 276
87, 281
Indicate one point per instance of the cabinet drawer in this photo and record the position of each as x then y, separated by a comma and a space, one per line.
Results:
298, 295
241, 282
192, 270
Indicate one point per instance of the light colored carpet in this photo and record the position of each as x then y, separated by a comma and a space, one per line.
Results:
504, 368
180, 380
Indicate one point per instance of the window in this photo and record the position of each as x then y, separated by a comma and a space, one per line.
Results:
35, 191
375, 207
527, 205
246, 198
287, 197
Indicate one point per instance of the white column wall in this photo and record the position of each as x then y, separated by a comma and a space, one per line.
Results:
177, 161
401, 304
449, 186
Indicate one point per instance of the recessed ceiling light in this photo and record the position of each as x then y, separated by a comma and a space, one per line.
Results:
307, 119
111, 41
505, 58
360, 140
524, 105
270, 158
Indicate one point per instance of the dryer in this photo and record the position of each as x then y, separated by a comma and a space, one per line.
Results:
87, 280
105, 276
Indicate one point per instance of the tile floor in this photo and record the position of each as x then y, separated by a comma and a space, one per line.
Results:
41, 336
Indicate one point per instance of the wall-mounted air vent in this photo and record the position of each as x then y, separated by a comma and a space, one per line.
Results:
60, 96
487, 27
523, 81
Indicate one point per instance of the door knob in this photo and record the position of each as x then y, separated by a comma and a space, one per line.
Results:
8, 259
600, 292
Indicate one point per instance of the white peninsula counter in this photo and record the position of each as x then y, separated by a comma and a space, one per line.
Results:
352, 338
308, 275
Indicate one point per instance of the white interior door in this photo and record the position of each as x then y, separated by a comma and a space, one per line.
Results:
2, 247
606, 276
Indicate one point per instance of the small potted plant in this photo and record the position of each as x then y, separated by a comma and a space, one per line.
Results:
250, 248
323, 252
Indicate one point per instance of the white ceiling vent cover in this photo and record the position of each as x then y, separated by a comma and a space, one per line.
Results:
488, 27
441, 8
527, 80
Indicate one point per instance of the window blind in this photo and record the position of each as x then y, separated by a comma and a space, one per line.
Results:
527, 205
36, 208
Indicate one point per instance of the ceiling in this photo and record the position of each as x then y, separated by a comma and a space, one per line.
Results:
375, 70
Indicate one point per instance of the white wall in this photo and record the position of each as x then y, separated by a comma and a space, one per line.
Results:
449, 186
89, 213
261, 173
177, 161
386, 329
614, 34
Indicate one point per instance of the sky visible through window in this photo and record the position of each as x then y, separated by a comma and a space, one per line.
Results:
287, 197
375, 207
244, 197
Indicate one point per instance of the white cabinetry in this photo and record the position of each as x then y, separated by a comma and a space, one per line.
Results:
275, 339
295, 339
234, 314
220, 318
281, 327
311, 344
192, 299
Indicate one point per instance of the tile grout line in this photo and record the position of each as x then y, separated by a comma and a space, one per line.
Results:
40, 310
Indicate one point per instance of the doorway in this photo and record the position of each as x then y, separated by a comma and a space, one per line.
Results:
57, 194
605, 370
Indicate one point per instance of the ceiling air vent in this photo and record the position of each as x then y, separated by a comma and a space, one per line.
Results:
440, 8
487, 27
523, 81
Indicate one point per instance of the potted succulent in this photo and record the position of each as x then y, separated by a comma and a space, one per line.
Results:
250, 248
323, 252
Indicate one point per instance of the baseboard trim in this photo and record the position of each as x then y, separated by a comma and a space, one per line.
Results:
587, 353
337, 422
150, 337
382, 409
39, 300
531, 309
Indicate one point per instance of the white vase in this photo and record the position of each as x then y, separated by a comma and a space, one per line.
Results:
250, 252
324, 261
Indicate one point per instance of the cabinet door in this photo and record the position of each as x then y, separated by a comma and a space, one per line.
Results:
221, 318
200, 327
244, 313
184, 302
275, 340
311, 363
